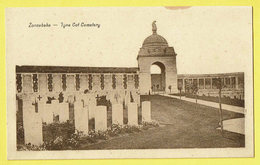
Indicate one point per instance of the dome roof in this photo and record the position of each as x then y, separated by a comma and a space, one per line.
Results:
155, 40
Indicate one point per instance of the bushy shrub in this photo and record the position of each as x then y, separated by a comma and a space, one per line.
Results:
30, 147
54, 130
147, 125
61, 136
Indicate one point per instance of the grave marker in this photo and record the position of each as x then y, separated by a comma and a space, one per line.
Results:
117, 114
132, 114
146, 111
32, 125
101, 118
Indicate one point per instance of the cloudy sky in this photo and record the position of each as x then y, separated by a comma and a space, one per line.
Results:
206, 39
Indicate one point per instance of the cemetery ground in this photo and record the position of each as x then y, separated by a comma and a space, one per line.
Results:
181, 125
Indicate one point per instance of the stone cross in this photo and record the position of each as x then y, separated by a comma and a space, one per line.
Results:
39, 97
35, 103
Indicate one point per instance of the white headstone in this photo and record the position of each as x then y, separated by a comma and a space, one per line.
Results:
55, 107
78, 106
48, 113
84, 120
63, 112
101, 118
146, 111
136, 97
92, 103
117, 114
28, 110
41, 109
127, 98
81, 117
32, 125
92, 109
132, 114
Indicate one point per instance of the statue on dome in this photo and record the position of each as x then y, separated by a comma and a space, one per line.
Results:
154, 27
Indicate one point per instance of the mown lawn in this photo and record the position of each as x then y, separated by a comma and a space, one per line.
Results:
182, 126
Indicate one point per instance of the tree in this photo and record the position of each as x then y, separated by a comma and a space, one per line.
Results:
170, 88
180, 88
220, 85
195, 90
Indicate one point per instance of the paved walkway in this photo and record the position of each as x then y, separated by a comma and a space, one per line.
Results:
235, 125
211, 104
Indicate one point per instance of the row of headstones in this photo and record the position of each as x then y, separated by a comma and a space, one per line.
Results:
32, 120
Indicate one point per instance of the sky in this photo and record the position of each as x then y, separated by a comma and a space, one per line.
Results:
206, 39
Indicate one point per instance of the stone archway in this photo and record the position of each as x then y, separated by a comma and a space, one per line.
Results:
156, 51
157, 71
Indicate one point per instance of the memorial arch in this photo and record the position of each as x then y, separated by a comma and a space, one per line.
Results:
157, 70
156, 52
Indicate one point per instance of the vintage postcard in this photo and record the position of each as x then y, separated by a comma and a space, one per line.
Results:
129, 82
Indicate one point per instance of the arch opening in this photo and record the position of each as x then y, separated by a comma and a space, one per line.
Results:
157, 71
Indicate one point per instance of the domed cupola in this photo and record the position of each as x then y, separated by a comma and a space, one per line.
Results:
155, 45
155, 40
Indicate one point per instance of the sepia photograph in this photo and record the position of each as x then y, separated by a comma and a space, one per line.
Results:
129, 82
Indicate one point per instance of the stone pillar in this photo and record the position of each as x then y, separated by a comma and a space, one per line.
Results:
83, 82
32, 124
96, 82
71, 86
57, 87
43, 87
117, 114
101, 118
108, 81
146, 111
132, 114
236, 78
27, 83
